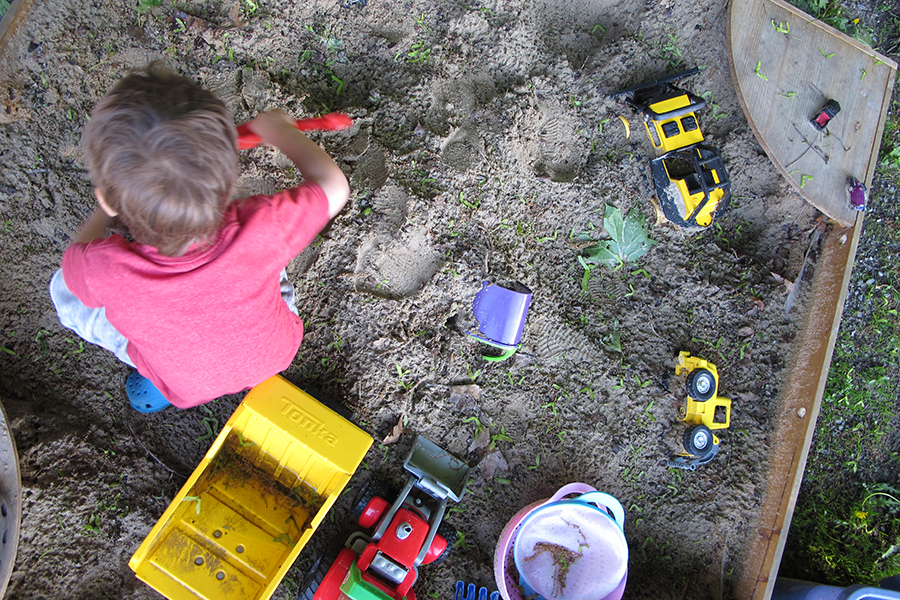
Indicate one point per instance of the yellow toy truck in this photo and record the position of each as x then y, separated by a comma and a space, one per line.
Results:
256, 498
703, 408
691, 183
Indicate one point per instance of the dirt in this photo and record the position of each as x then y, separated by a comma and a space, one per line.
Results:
486, 146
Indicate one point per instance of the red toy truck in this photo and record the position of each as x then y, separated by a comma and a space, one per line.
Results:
407, 533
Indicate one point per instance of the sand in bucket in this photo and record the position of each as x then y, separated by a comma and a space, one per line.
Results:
571, 551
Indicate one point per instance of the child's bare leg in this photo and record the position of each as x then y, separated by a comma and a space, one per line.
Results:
89, 323
287, 292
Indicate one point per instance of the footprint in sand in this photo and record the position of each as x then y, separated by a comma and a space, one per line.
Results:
393, 263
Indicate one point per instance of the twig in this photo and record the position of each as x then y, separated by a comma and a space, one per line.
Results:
722, 568
815, 149
792, 296
153, 456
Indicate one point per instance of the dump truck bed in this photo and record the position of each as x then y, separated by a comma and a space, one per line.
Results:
256, 498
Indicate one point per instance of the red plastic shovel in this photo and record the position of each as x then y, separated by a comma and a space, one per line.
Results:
330, 122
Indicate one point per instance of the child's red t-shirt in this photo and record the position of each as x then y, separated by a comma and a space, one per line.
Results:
211, 322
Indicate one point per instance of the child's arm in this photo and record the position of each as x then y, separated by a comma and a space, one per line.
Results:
277, 129
94, 228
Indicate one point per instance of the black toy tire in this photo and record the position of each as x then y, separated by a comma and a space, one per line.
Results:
316, 575
698, 441
371, 489
449, 533
701, 385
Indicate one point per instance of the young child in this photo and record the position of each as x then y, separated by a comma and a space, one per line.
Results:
199, 303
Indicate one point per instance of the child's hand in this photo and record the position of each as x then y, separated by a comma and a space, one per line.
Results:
276, 128
268, 125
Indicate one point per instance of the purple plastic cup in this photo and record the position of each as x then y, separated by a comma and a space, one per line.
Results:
501, 313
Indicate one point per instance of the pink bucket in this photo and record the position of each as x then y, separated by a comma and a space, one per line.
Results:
609, 517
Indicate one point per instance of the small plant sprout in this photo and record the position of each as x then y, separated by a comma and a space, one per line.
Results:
597, 28
499, 437
549, 238
788, 95
466, 203
826, 55
478, 426
145, 6
401, 376
340, 86
460, 541
420, 21
804, 178
647, 410
671, 48
193, 499
473, 375
93, 524
710, 98
418, 53
758, 66
600, 126
784, 27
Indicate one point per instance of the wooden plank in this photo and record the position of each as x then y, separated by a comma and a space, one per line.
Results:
784, 78
12, 20
798, 409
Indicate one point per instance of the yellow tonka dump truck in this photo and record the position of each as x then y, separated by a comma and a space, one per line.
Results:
691, 183
256, 498
703, 408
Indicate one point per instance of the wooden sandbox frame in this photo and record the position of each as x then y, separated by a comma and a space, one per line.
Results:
797, 79
801, 394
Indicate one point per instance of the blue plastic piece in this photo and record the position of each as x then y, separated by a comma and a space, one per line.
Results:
501, 313
464, 593
795, 589
143, 395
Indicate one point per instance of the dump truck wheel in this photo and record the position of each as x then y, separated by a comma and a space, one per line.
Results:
701, 385
698, 441
316, 575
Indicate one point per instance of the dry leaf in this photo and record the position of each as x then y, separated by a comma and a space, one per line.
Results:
481, 442
788, 284
758, 302
235, 15
395, 434
493, 463
470, 390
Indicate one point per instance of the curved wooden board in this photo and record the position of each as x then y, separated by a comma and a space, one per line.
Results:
785, 66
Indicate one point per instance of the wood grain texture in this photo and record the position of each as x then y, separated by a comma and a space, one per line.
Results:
783, 80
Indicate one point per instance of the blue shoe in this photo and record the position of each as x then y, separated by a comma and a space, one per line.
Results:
143, 394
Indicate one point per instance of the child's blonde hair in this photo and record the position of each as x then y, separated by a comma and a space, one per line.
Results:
163, 153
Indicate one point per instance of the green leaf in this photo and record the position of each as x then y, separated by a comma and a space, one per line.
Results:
629, 239
602, 254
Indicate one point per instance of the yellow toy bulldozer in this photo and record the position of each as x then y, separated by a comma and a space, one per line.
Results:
704, 409
691, 183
